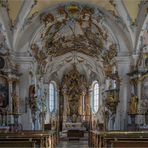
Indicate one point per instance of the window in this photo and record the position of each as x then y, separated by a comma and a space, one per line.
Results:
52, 96
95, 97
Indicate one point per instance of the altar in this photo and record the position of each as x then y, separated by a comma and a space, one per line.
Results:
72, 126
74, 100
75, 134
74, 131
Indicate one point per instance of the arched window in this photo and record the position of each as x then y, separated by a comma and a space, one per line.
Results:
52, 97
95, 97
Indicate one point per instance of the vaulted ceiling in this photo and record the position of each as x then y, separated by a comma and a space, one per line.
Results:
19, 14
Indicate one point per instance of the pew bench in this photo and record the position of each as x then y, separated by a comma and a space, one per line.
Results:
28, 139
118, 139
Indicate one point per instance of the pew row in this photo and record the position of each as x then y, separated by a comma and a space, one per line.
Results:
47, 139
118, 139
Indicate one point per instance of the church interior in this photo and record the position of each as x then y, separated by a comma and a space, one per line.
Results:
74, 73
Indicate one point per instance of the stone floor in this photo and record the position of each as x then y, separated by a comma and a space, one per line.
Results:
72, 144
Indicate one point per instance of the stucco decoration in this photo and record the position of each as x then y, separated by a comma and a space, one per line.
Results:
74, 27
79, 29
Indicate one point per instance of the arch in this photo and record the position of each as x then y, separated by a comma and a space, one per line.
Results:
87, 63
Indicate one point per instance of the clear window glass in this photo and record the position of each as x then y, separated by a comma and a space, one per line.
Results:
52, 97
95, 97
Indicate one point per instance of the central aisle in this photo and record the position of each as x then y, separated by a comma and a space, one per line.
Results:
66, 143
73, 144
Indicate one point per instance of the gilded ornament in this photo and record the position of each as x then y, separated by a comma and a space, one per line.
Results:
73, 9
133, 105
61, 10
73, 83
56, 42
112, 102
48, 18
112, 51
87, 10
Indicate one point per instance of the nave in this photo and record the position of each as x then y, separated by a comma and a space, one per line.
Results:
73, 73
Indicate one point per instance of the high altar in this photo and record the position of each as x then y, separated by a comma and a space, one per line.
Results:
75, 100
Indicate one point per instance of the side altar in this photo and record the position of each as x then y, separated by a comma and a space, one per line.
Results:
9, 92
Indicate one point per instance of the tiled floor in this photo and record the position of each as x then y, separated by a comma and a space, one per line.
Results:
73, 144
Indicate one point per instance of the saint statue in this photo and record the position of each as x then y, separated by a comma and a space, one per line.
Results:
133, 104
15, 102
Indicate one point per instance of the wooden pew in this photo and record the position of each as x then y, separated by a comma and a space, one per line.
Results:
118, 139
17, 144
28, 139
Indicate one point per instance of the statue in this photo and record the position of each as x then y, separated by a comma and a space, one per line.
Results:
32, 99
15, 102
133, 104
111, 98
